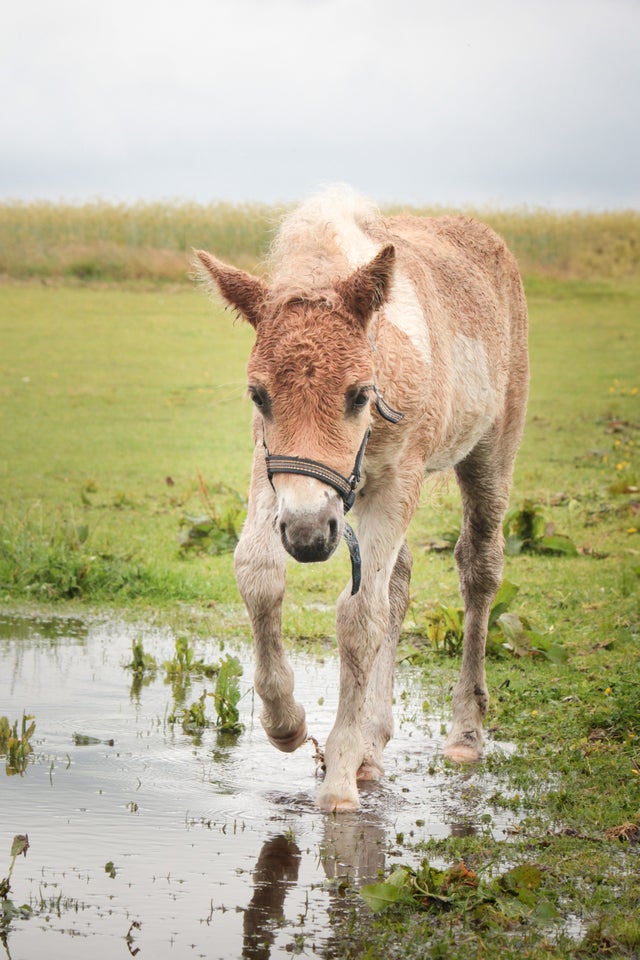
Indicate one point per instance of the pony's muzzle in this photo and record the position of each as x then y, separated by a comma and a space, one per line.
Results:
311, 533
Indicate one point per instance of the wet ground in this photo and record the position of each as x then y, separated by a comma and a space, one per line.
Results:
148, 841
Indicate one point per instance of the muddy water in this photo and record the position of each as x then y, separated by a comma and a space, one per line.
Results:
147, 841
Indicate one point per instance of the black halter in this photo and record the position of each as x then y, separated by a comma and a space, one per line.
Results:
345, 486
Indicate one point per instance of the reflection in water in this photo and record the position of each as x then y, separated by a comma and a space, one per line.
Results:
46, 628
463, 830
353, 848
275, 872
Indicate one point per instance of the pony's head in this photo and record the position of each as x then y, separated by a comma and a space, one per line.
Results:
310, 376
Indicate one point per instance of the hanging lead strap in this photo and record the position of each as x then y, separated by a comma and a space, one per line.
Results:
356, 559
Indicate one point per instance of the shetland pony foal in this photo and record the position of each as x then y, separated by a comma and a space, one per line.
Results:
363, 317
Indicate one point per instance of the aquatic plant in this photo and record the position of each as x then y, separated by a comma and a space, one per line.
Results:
184, 662
142, 662
15, 744
227, 695
8, 909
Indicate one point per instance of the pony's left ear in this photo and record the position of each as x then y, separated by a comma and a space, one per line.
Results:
367, 289
241, 290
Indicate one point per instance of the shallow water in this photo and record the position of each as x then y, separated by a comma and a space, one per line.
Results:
216, 846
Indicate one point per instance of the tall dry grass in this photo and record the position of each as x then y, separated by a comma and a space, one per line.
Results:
153, 241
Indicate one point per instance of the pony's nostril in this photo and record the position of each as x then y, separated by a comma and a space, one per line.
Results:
333, 529
283, 530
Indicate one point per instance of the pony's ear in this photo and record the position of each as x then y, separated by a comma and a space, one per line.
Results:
241, 290
367, 289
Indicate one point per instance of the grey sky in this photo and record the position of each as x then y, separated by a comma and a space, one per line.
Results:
490, 102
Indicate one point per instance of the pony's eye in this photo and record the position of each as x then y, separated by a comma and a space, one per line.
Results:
260, 398
358, 399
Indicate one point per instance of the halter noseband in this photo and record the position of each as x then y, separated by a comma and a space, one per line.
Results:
346, 487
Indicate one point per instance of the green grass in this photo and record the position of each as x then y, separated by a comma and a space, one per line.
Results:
115, 400
112, 402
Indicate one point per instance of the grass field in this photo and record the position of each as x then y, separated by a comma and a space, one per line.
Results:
115, 399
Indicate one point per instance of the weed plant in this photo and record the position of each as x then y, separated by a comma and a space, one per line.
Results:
15, 743
8, 909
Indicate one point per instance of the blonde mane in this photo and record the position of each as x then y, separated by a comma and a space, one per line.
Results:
323, 239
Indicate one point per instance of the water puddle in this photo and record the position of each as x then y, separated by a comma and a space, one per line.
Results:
146, 841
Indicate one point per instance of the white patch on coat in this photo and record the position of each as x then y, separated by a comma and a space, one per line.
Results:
403, 310
348, 213
474, 403
323, 239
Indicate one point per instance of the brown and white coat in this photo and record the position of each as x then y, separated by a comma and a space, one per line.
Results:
433, 313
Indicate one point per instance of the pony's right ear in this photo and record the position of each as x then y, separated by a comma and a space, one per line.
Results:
367, 289
241, 290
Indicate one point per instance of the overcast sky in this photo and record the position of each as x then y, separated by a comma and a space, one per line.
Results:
484, 102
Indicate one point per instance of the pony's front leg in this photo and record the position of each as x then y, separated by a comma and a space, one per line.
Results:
260, 572
377, 723
361, 628
367, 628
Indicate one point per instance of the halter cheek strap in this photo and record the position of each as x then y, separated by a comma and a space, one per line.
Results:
345, 486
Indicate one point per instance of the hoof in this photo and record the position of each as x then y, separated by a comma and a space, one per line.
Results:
291, 742
461, 753
464, 746
330, 803
368, 770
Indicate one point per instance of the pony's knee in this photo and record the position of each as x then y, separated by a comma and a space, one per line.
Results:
480, 565
260, 575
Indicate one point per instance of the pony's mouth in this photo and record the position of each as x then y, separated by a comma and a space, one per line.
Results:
315, 546
308, 542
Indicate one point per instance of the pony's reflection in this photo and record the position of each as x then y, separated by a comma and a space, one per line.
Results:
352, 847
275, 872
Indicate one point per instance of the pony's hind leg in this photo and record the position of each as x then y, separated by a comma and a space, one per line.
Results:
484, 481
377, 726
260, 572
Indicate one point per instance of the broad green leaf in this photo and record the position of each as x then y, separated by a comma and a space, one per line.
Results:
515, 633
527, 876
401, 877
538, 526
513, 545
377, 896
555, 653
558, 544
545, 911
504, 598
